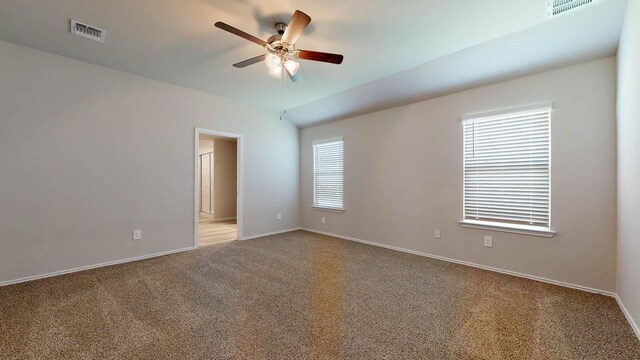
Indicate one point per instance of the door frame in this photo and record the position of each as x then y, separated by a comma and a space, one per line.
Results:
210, 213
239, 180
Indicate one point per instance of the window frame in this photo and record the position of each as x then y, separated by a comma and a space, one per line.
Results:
314, 205
505, 226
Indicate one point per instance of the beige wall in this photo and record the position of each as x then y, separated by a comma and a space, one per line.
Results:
224, 179
69, 200
629, 162
206, 145
403, 177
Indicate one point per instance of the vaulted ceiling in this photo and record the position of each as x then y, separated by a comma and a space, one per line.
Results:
395, 52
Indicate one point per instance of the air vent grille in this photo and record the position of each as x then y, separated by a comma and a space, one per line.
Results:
87, 31
557, 7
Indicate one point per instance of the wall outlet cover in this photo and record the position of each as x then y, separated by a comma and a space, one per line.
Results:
279, 216
488, 241
324, 221
137, 234
437, 234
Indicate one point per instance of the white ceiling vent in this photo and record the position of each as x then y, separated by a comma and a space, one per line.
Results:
557, 7
87, 31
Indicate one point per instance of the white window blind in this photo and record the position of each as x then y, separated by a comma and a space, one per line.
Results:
328, 174
507, 169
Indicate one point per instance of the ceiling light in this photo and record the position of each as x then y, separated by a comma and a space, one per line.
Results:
272, 61
292, 66
276, 72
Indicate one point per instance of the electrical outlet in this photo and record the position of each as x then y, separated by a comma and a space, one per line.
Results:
324, 221
437, 234
279, 216
488, 241
137, 234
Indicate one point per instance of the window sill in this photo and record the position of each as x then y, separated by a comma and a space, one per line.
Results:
510, 228
330, 209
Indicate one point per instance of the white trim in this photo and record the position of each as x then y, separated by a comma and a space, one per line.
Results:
239, 181
94, 266
510, 111
270, 233
510, 228
626, 313
484, 267
326, 208
313, 152
496, 114
327, 141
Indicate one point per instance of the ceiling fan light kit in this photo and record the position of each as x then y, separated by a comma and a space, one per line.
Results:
292, 66
272, 61
276, 72
275, 65
282, 52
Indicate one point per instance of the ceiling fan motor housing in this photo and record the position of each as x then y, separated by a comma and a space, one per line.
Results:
280, 27
273, 38
276, 46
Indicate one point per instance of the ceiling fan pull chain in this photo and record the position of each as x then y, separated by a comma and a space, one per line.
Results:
282, 93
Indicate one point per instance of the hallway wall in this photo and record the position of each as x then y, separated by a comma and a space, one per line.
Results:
225, 179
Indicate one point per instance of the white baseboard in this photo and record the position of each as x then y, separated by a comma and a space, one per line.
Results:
461, 262
122, 261
269, 233
634, 326
89, 267
626, 313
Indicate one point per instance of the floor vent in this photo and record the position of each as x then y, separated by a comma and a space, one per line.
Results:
86, 31
557, 7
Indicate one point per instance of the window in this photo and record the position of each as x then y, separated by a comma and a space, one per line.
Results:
328, 174
507, 171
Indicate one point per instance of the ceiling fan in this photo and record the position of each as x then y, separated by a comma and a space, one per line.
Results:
282, 50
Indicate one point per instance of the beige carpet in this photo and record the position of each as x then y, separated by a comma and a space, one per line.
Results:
301, 296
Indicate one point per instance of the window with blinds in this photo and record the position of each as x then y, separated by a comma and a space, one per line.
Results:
507, 169
328, 174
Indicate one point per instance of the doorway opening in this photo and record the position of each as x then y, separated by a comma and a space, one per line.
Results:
218, 175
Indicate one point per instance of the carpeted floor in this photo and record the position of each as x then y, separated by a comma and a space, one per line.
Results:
300, 296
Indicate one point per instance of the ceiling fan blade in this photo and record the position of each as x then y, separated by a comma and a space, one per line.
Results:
298, 23
240, 33
251, 61
319, 56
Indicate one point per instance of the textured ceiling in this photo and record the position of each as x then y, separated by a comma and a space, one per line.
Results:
175, 40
